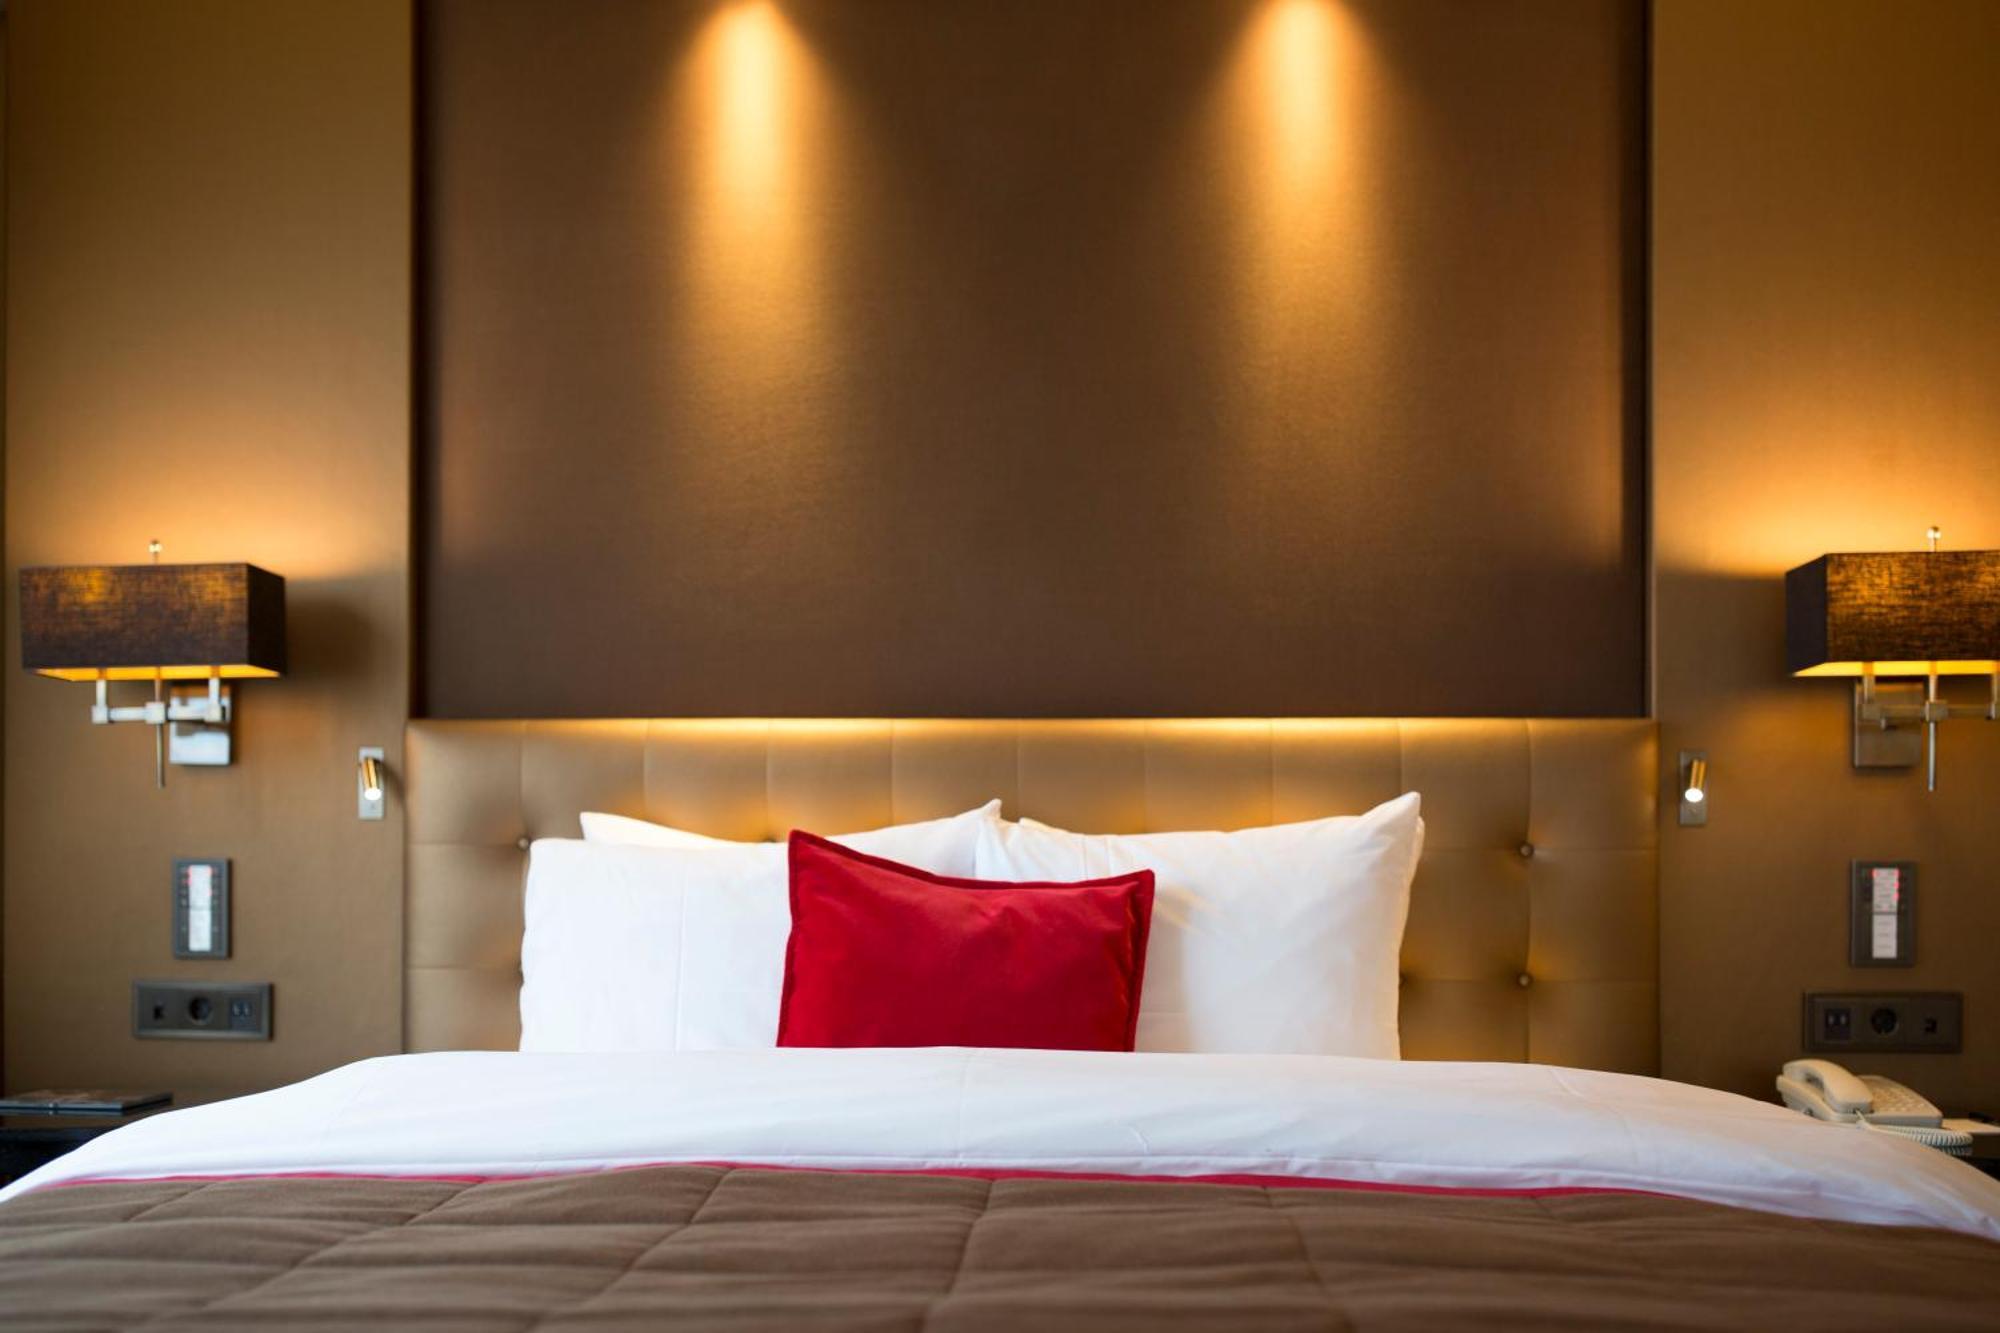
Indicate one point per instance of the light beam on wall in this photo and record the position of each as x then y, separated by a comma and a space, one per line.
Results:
1295, 132
1297, 45
751, 59
1291, 120
1297, 86
752, 140
749, 121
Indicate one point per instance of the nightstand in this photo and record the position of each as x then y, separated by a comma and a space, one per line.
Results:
30, 1139
1983, 1155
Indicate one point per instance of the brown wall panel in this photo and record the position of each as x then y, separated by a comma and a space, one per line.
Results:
1826, 378
1034, 358
3, 445
209, 295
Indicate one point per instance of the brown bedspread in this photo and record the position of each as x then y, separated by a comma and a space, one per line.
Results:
707, 1247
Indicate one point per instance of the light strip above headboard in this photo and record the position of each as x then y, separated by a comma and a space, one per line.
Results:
1533, 928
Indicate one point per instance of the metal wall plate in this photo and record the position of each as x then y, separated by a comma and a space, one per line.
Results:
202, 744
1885, 1021
1877, 746
200, 1011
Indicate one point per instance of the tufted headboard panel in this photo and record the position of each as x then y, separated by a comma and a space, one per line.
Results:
1533, 928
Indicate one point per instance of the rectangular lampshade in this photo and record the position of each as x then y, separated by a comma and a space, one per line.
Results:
133, 622
1903, 611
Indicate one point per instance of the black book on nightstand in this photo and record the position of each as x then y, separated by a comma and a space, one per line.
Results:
39, 1126
81, 1101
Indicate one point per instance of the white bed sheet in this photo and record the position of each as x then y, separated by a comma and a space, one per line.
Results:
1481, 1126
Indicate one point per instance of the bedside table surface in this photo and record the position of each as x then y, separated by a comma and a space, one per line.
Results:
29, 1139
1983, 1155
47, 1127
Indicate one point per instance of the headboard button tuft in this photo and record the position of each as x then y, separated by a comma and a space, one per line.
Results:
1527, 849
522, 842
1524, 981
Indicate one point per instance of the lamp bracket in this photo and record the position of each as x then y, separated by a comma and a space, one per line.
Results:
1891, 718
196, 716
1881, 738
1901, 704
200, 735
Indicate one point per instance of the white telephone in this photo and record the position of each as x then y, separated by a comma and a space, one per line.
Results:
1822, 1089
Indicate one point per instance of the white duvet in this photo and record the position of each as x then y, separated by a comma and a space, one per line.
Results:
1476, 1126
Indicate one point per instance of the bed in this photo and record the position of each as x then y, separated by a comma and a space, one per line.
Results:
1517, 1168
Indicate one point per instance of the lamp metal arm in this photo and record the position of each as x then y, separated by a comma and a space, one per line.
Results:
159, 712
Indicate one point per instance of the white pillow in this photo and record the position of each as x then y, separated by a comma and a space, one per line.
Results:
680, 948
624, 831
1283, 940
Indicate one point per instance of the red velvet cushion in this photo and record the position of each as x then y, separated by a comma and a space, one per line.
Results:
883, 954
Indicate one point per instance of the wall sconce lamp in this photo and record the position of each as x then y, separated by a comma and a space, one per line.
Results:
1898, 613
168, 624
1694, 787
371, 789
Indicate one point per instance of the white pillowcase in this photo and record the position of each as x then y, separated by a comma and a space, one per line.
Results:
665, 948
1283, 940
624, 831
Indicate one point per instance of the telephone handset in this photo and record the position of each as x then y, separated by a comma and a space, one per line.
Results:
1822, 1089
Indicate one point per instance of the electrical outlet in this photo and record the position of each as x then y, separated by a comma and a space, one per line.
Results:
1884, 1021
199, 1010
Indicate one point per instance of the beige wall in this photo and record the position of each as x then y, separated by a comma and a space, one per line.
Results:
210, 311
1826, 326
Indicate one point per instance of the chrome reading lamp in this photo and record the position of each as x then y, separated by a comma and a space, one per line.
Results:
184, 628
1925, 614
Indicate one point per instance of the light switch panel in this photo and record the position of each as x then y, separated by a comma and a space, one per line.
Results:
201, 908
1882, 914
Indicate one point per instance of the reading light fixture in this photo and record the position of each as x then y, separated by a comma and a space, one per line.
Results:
1694, 787
370, 784
157, 623
1898, 613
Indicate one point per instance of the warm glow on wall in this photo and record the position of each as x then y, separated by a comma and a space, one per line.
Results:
1292, 91
1797, 477
1300, 157
752, 65
1297, 47
1308, 256
749, 120
751, 140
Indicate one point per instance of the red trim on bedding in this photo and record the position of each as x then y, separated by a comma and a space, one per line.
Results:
963, 1173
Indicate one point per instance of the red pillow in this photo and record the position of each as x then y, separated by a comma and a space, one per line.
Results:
883, 954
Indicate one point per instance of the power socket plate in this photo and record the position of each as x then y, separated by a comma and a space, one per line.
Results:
1884, 1021
202, 1010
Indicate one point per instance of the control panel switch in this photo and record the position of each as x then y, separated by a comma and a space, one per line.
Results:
201, 909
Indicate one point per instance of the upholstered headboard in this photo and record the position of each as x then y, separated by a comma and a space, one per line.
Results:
1533, 922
